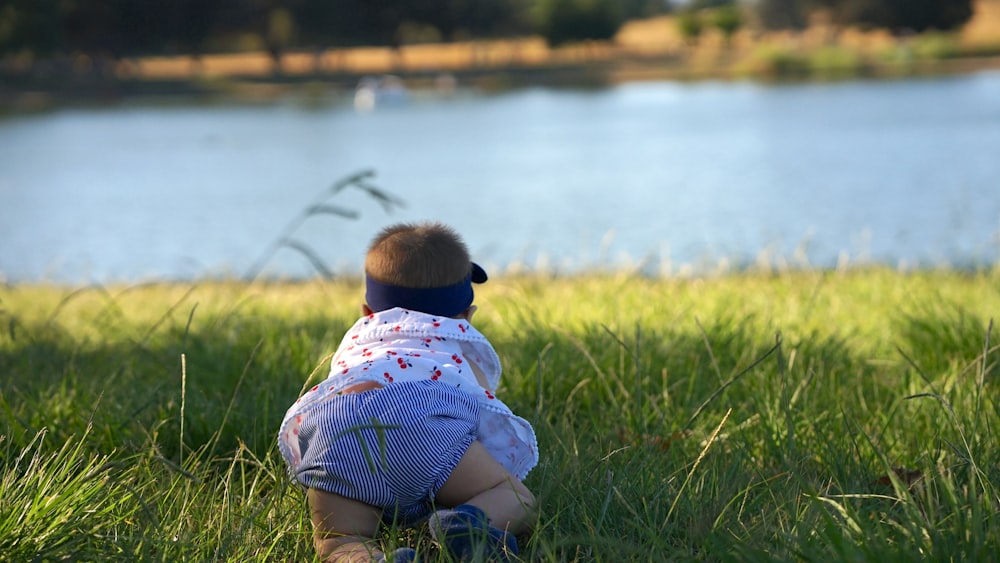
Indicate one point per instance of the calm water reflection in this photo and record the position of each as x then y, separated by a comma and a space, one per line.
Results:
675, 174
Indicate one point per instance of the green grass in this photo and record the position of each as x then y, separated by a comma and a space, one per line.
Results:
747, 417
924, 54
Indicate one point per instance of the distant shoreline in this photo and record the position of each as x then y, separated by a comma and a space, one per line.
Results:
650, 49
27, 94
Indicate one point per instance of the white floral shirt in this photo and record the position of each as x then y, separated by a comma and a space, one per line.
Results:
399, 345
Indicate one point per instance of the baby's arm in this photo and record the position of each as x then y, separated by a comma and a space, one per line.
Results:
480, 376
342, 528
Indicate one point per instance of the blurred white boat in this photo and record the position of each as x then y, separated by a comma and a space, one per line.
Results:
373, 92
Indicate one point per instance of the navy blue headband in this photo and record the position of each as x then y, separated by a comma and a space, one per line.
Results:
447, 301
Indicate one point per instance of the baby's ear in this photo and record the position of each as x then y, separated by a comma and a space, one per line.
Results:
467, 315
366, 310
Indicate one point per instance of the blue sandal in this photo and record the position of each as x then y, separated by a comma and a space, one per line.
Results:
465, 532
401, 555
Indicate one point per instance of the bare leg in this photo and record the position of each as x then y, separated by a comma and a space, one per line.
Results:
342, 528
481, 481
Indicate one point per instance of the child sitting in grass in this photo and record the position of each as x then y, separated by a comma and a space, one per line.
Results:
407, 428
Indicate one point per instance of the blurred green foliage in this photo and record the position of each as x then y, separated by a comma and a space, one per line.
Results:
900, 16
690, 26
566, 21
117, 28
728, 20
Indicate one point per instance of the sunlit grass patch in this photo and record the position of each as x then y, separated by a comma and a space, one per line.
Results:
62, 500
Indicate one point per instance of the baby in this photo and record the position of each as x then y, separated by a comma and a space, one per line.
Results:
407, 428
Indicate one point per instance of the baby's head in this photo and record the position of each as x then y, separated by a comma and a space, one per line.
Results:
423, 267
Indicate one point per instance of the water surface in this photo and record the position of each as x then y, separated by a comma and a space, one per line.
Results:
670, 175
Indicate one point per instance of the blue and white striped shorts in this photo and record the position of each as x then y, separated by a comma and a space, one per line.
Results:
392, 448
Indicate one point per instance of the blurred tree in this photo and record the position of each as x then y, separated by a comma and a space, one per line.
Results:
900, 16
727, 19
126, 27
445, 16
279, 32
697, 5
270, 23
351, 22
190, 23
498, 18
690, 26
329, 23
30, 26
566, 21
115, 28
784, 14
462, 19
638, 9
111, 29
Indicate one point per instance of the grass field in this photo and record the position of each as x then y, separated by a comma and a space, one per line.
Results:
806, 416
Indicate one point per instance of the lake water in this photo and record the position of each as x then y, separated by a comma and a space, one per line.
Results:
668, 176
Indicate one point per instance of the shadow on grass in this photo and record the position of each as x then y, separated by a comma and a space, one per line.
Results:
233, 380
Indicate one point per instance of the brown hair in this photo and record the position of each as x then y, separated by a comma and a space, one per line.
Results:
418, 255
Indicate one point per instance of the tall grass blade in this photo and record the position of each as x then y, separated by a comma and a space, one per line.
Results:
311, 255
319, 206
724, 386
327, 209
697, 462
